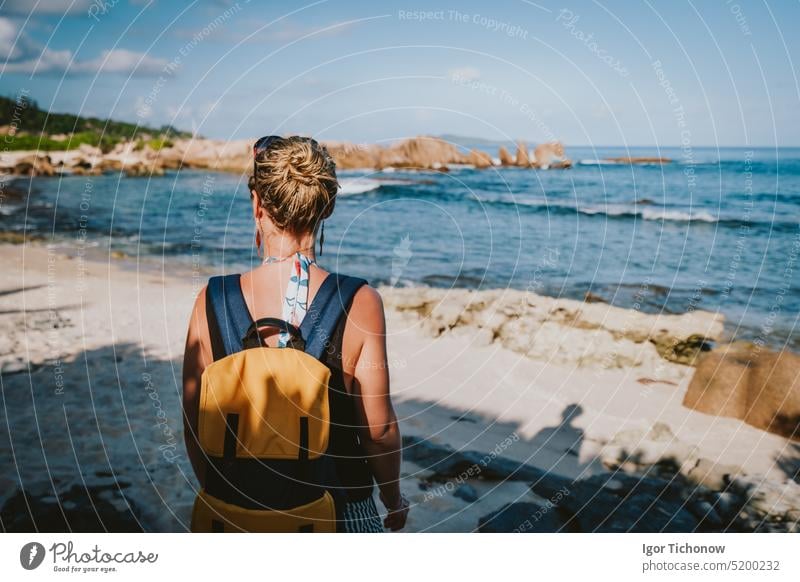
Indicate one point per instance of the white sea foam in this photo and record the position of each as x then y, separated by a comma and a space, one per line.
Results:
598, 163
649, 213
623, 210
352, 186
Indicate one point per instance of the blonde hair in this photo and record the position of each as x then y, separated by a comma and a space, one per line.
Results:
295, 181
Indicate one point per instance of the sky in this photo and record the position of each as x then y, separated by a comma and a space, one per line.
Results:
718, 73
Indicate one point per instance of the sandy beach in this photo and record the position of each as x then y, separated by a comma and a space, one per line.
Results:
91, 354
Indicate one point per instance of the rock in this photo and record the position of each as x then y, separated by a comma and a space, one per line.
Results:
34, 165
506, 159
755, 385
423, 153
773, 394
636, 504
546, 155
719, 384
480, 159
143, 170
417, 153
14, 366
466, 492
483, 337
661, 432
655, 451
521, 517
766, 497
590, 297
682, 351
558, 330
708, 473
523, 159
727, 504
703, 510
78, 509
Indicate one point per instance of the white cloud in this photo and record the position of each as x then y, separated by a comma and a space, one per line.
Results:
121, 61
258, 31
464, 74
118, 61
46, 6
8, 37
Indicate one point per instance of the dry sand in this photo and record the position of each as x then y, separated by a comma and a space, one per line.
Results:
91, 358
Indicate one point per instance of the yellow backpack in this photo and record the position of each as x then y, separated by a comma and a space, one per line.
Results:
264, 417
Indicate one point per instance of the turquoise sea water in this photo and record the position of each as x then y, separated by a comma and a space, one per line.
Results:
715, 230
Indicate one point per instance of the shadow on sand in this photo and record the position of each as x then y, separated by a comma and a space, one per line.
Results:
95, 443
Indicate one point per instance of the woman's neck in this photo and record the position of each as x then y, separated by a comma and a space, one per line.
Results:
280, 245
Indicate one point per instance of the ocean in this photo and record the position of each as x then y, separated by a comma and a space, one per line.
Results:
716, 230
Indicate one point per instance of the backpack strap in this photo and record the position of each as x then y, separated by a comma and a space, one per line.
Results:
331, 301
227, 314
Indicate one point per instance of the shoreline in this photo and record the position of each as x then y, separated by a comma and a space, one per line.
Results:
193, 266
104, 340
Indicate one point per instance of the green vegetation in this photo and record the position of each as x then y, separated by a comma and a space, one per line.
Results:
154, 144
32, 128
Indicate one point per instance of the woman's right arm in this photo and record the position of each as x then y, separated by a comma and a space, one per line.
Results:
196, 357
379, 434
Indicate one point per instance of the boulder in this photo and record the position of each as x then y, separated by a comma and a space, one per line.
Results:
422, 153
773, 394
480, 159
34, 165
506, 159
466, 492
547, 154
523, 159
682, 351
711, 474
142, 169
755, 385
350, 156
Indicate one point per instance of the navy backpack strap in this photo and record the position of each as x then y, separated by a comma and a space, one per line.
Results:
331, 301
231, 316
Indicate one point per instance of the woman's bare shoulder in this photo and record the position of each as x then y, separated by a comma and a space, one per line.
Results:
366, 311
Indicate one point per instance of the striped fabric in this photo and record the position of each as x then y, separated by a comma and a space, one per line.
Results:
362, 517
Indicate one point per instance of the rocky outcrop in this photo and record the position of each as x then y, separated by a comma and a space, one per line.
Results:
133, 158
549, 155
479, 159
523, 158
422, 152
506, 159
32, 164
559, 331
350, 156
753, 384
232, 156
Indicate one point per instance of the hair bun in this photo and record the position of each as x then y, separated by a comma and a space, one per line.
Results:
296, 183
